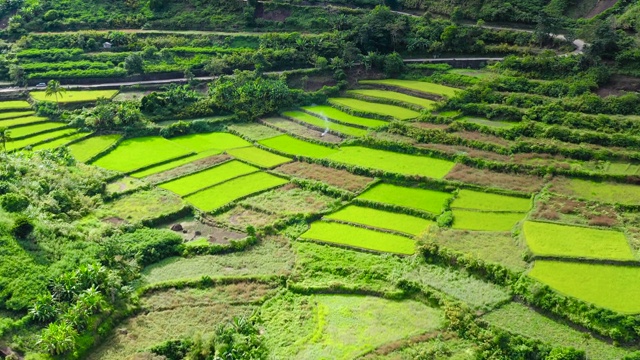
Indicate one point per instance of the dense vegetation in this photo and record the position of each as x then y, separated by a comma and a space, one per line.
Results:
319, 180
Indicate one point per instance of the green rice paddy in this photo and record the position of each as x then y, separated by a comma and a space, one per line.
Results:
174, 164
29, 130
484, 221
204, 179
210, 141
21, 121
74, 96
421, 86
222, 194
421, 199
134, 154
393, 162
15, 114
612, 287
258, 157
392, 95
476, 200
324, 124
290, 145
573, 241
396, 112
336, 233
381, 219
608, 192
15, 105
59, 142
86, 149
33, 140
343, 117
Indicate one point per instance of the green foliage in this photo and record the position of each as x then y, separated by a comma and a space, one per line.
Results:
149, 246
169, 102
14, 202
445, 219
22, 227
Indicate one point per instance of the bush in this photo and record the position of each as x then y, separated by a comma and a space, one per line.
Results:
22, 227
13, 202
446, 219
151, 245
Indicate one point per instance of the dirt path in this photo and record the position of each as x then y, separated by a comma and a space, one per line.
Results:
601, 6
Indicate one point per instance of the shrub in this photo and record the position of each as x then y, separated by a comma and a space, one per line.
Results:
22, 227
445, 219
151, 245
13, 202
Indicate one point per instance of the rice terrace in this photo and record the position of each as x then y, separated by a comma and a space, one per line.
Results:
366, 179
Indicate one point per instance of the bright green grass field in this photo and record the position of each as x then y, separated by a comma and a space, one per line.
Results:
15, 105
477, 200
133, 154
336, 233
396, 112
320, 123
59, 142
421, 199
19, 144
14, 114
174, 164
574, 241
259, 157
613, 193
381, 219
21, 121
341, 116
219, 195
34, 129
73, 96
211, 141
521, 320
86, 149
393, 162
290, 145
341, 326
203, 179
484, 221
609, 286
421, 86
392, 95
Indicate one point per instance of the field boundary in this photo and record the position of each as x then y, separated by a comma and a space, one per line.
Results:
586, 260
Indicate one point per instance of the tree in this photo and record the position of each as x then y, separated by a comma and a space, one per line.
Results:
5, 137
393, 65
134, 64
16, 74
54, 89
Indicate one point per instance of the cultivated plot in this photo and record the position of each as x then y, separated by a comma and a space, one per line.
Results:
174, 164
521, 320
15, 114
290, 145
343, 117
392, 161
291, 201
204, 179
88, 148
324, 124
254, 131
25, 131
222, 194
609, 286
477, 200
21, 121
59, 142
139, 206
395, 96
301, 131
339, 178
381, 219
258, 157
210, 141
608, 192
37, 139
134, 154
484, 221
420, 86
421, 199
394, 111
347, 235
14, 105
548, 239
74, 96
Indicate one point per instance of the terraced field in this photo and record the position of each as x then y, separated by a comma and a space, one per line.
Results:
394, 96
71, 96
137, 153
201, 180
381, 219
343, 117
413, 198
392, 111
86, 149
323, 124
419, 86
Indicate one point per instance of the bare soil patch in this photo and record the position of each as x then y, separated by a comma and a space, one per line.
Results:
430, 126
240, 218
189, 168
601, 6
338, 178
191, 229
114, 221
474, 153
482, 177
619, 84
577, 212
473, 135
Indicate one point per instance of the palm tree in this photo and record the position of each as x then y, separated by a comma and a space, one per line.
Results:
5, 137
54, 88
